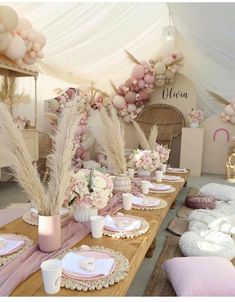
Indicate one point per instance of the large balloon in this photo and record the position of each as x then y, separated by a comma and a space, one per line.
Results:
5, 40
16, 49
23, 24
160, 68
138, 72
8, 18
119, 102
130, 97
29, 60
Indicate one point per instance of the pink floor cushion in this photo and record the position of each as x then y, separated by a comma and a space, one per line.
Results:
201, 276
8, 215
200, 202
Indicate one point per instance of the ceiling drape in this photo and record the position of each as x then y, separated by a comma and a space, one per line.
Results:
86, 42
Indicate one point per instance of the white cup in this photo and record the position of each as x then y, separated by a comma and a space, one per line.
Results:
131, 173
51, 275
159, 175
163, 167
145, 186
127, 199
97, 226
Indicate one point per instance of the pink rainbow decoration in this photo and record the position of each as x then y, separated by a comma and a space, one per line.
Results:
224, 130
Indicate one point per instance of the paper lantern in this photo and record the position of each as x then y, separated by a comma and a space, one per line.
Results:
168, 39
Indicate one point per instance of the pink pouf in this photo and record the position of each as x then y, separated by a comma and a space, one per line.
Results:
200, 202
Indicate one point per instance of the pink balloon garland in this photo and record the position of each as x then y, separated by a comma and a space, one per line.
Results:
133, 95
228, 115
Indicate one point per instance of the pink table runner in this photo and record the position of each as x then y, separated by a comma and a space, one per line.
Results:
14, 273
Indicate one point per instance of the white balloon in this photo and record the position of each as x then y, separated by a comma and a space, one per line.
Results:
16, 49
8, 17
229, 110
5, 40
131, 108
160, 68
119, 101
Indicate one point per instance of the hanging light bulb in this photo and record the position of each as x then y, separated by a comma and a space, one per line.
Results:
168, 38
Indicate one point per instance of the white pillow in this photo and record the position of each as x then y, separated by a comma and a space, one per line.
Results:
207, 243
220, 192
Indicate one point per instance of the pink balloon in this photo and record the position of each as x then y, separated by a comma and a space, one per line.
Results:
40, 54
143, 95
128, 83
32, 36
23, 24
138, 72
36, 46
130, 97
149, 79
83, 129
120, 90
32, 54
29, 60
16, 49
141, 84
40, 38
137, 89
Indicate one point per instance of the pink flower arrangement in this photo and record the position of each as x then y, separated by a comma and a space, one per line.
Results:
89, 189
145, 159
195, 116
163, 153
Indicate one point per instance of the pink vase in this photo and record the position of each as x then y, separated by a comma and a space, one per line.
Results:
49, 233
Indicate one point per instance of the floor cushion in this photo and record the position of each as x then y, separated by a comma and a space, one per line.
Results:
200, 202
213, 220
207, 243
220, 192
201, 276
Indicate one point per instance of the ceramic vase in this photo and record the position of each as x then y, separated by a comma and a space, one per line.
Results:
49, 233
82, 214
142, 172
122, 183
194, 125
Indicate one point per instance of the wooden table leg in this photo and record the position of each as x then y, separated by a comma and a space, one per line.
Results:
173, 206
151, 249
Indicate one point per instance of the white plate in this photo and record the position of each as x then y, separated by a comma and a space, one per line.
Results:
159, 187
148, 202
176, 170
170, 177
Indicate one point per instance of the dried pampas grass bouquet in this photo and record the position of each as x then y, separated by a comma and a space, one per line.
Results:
48, 200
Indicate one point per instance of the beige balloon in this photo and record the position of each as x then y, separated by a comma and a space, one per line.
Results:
5, 40
8, 17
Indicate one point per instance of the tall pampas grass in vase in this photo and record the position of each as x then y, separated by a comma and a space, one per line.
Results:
110, 135
48, 200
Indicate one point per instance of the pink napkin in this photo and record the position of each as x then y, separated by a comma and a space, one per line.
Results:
15, 272
115, 203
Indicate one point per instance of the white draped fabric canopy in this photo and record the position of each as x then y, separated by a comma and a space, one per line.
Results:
86, 42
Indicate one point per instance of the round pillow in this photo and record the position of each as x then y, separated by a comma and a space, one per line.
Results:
200, 202
207, 243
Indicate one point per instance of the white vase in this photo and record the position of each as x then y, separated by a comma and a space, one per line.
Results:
122, 183
194, 125
82, 214
143, 172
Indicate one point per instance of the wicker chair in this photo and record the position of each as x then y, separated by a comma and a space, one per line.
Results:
169, 120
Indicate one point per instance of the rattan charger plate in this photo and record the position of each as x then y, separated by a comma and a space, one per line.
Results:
119, 273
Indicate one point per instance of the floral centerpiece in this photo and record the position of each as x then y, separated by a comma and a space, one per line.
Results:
195, 117
163, 152
145, 161
89, 190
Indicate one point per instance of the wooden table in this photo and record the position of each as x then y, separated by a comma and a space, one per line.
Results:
133, 249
